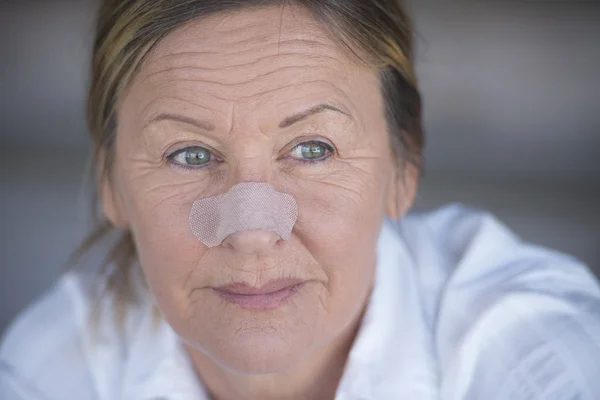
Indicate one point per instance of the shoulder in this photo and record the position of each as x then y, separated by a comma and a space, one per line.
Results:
455, 231
514, 320
41, 353
465, 248
524, 343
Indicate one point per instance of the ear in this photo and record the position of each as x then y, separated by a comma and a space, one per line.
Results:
402, 190
112, 204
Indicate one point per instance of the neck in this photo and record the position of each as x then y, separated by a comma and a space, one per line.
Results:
316, 377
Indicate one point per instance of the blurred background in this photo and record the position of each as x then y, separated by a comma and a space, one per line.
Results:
512, 115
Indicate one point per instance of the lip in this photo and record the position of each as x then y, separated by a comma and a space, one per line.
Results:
272, 295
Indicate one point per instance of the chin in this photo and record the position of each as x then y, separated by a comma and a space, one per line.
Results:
262, 351
254, 342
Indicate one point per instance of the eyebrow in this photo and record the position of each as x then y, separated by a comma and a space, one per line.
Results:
289, 121
207, 126
204, 125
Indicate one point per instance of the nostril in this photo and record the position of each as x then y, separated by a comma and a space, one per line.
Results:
252, 241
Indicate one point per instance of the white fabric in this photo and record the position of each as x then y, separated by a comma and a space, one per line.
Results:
461, 310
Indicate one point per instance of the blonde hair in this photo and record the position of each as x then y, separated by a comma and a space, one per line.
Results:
377, 31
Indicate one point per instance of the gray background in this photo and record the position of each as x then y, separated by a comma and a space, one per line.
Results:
512, 114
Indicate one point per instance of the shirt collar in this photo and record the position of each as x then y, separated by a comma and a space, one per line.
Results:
392, 356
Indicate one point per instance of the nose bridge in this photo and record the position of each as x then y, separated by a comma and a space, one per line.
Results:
251, 217
253, 162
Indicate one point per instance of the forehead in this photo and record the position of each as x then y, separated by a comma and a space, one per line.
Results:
256, 56
253, 28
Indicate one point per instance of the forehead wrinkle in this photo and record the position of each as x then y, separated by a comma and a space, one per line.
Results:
246, 20
156, 58
190, 59
313, 52
309, 59
247, 26
315, 82
253, 79
161, 99
148, 132
257, 66
335, 96
261, 46
210, 43
293, 46
241, 90
317, 59
146, 117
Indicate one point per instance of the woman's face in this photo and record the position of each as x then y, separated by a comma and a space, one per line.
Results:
228, 89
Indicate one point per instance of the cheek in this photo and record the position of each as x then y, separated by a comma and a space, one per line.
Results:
340, 225
168, 251
342, 210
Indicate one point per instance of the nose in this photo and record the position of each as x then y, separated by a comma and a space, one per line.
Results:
253, 241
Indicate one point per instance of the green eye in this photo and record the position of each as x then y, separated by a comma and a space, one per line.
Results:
191, 156
311, 151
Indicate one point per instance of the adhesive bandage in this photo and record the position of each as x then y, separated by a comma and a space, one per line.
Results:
246, 206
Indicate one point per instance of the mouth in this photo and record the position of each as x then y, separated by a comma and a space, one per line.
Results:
272, 295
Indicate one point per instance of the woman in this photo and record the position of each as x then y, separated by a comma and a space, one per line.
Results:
259, 158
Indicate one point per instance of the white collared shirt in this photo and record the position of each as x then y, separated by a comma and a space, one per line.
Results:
461, 309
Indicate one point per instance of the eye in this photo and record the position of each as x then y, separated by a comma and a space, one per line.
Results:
191, 157
312, 151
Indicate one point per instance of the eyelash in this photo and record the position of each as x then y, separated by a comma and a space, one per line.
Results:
328, 147
171, 157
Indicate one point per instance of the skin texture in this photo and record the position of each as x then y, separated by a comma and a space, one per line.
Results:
240, 76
